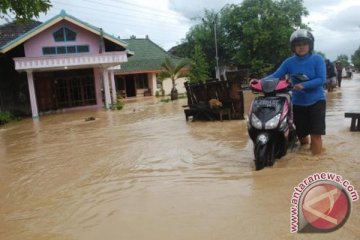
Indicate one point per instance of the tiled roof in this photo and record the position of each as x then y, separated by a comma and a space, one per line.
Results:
13, 30
148, 56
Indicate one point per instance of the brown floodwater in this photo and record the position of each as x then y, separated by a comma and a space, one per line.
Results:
145, 173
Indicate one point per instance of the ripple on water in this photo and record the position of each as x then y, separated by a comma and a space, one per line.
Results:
145, 172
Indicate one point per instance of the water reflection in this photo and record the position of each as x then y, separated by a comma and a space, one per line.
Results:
146, 173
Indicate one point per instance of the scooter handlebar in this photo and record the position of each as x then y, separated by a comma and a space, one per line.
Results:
256, 85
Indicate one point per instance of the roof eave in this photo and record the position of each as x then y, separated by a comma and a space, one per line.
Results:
26, 36
62, 16
94, 30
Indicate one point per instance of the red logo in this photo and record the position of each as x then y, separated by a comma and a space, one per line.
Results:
325, 207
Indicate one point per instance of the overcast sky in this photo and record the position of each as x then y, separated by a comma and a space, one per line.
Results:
335, 23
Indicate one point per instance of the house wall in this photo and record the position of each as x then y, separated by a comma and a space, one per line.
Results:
167, 85
33, 48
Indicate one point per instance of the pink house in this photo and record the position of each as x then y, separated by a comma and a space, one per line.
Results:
68, 64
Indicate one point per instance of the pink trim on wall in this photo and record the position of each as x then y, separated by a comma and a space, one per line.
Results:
107, 59
33, 47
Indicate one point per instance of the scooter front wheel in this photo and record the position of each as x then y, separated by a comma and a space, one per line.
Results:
260, 152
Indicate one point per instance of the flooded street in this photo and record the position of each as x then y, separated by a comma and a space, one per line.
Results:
145, 173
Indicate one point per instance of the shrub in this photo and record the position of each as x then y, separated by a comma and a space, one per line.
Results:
5, 117
118, 105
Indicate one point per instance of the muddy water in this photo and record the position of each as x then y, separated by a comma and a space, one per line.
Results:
146, 173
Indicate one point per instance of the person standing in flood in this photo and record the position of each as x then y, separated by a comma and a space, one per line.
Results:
330, 76
348, 72
339, 70
308, 74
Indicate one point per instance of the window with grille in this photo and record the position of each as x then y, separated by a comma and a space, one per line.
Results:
65, 49
64, 34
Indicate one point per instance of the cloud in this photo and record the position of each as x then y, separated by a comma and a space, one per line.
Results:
196, 8
335, 25
319, 5
347, 20
128, 17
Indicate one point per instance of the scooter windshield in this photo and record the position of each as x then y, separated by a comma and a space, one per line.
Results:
269, 84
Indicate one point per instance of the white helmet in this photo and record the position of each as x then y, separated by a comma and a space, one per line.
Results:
301, 35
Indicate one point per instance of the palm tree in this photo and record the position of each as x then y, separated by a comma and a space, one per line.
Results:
174, 71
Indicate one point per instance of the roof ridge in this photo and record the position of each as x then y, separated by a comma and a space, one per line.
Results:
155, 44
63, 15
150, 56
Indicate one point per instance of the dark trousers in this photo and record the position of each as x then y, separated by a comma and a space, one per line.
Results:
339, 78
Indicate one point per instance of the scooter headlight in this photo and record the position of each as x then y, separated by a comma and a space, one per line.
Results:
273, 123
255, 122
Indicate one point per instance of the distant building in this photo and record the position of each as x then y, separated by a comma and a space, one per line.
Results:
65, 63
140, 72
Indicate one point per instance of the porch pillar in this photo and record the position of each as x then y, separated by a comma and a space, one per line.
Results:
106, 89
97, 79
34, 107
113, 87
152, 83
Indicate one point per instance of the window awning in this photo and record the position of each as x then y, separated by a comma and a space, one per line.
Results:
46, 63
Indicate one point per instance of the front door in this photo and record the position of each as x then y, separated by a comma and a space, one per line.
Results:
45, 92
130, 86
64, 89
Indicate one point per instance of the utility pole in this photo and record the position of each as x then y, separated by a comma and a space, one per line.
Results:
217, 70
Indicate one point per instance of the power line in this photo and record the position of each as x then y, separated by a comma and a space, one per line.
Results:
156, 27
150, 14
142, 8
155, 37
132, 18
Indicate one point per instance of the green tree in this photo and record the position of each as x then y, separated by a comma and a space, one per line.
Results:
254, 33
261, 30
173, 70
202, 34
199, 68
355, 58
344, 59
23, 10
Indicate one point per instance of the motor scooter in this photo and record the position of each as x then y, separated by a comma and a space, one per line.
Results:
270, 122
